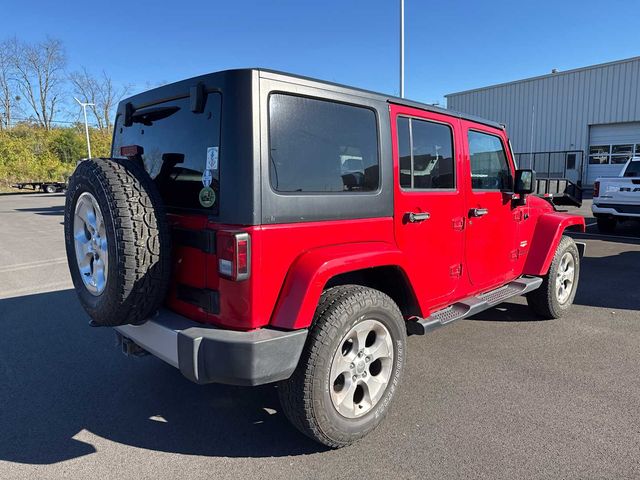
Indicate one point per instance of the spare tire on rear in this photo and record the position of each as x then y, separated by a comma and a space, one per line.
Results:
117, 240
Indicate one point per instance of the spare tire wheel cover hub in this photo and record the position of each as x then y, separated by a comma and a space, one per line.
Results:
90, 240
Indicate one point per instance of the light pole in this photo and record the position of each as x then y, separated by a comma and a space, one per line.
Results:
86, 124
401, 48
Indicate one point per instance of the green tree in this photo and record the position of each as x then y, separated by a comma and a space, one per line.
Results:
30, 153
67, 145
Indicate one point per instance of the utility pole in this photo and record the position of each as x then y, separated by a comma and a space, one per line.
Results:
401, 48
86, 124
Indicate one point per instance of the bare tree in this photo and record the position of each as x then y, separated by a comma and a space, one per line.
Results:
40, 76
101, 92
7, 86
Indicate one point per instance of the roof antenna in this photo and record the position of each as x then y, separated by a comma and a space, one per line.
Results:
401, 48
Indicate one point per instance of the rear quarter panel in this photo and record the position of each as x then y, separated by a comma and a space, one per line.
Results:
277, 248
311, 272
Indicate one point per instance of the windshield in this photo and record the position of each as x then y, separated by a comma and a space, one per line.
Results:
179, 150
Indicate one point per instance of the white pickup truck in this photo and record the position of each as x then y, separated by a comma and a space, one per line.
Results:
616, 199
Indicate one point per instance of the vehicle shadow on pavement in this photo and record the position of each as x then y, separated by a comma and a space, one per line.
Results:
28, 192
55, 210
611, 281
59, 377
507, 312
607, 282
630, 236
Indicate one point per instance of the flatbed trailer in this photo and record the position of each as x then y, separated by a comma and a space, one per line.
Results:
559, 191
48, 187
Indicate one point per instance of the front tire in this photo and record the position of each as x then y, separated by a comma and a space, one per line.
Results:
350, 368
554, 297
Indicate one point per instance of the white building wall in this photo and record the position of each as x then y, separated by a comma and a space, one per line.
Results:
565, 104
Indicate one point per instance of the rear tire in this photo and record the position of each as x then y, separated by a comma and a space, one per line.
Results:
554, 297
50, 189
117, 241
606, 224
358, 337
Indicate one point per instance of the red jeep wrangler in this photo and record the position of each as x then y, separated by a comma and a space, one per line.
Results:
255, 227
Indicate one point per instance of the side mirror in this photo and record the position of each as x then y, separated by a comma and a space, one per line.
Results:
525, 182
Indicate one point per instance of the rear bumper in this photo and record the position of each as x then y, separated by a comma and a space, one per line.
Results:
206, 354
616, 210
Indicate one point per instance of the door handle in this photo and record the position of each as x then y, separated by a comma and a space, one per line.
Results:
478, 212
418, 217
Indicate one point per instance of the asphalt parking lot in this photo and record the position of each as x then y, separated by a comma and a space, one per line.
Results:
500, 395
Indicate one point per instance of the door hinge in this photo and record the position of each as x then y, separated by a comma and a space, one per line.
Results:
517, 215
455, 270
458, 223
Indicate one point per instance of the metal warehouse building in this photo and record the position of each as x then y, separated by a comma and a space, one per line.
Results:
579, 124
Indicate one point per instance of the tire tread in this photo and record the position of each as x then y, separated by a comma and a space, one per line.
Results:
543, 300
296, 393
141, 238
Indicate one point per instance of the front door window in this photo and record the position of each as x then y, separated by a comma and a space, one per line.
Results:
489, 167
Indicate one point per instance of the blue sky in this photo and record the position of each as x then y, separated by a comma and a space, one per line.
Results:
450, 45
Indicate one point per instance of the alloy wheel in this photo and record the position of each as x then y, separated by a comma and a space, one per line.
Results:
565, 277
361, 368
90, 241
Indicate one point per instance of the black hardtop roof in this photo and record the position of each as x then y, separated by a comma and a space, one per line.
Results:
171, 90
283, 76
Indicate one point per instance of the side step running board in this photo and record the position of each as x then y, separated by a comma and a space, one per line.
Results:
472, 305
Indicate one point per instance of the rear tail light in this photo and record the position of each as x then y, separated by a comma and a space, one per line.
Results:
596, 189
234, 255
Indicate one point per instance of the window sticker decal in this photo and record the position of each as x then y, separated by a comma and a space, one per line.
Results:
210, 165
207, 178
207, 197
212, 158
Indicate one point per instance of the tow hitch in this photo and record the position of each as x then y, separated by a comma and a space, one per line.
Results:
129, 347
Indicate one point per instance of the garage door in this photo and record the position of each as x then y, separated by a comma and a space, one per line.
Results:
610, 146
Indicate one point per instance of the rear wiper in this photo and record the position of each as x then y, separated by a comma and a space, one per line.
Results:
149, 115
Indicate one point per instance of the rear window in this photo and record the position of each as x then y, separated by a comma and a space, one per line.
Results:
633, 170
180, 150
319, 146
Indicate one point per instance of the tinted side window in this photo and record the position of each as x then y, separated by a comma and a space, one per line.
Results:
404, 152
425, 154
489, 166
321, 146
